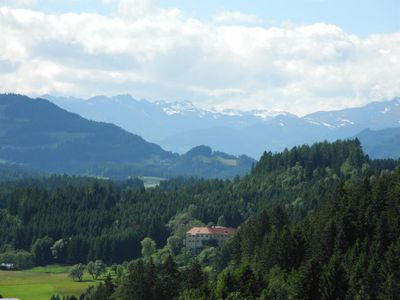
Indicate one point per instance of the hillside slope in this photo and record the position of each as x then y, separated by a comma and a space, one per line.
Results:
40, 135
383, 143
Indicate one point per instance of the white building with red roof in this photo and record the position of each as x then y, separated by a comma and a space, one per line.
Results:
198, 236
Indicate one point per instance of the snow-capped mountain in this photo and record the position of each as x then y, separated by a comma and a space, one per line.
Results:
375, 115
179, 126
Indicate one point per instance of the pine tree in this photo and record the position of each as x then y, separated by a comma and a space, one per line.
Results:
306, 282
170, 279
333, 283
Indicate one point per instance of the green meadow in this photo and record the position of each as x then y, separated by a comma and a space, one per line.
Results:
41, 283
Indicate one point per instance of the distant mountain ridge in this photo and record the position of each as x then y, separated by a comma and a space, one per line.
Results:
179, 126
38, 134
384, 143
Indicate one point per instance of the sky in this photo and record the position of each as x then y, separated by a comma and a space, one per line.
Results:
293, 55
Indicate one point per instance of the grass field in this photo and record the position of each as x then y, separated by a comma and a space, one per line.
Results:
150, 182
41, 283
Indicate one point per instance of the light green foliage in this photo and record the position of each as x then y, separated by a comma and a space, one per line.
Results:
100, 268
96, 269
183, 221
221, 221
120, 271
179, 225
59, 248
191, 294
76, 272
20, 258
160, 255
224, 285
277, 285
207, 256
90, 267
41, 283
148, 247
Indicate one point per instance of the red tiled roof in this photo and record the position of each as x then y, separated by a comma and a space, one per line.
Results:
211, 230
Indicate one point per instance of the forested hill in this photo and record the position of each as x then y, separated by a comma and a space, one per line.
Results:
104, 220
316, 222
348, 249
40, 135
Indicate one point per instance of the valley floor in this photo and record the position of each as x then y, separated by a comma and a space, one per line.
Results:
41, 283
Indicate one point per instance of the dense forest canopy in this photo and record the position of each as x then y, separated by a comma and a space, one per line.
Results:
101, 219
349, 248
315, 222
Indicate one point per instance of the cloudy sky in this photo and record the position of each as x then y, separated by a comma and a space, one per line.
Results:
298, 56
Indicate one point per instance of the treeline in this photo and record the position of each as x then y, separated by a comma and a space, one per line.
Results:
75, 220
347, 249
10, 172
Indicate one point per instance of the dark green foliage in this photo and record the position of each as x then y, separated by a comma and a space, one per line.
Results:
319, 222
10, 226
103, 291
170, 279
349, 248
9, 172
306, 284
21, 259
193, 276
311, 158
91, 219
333, 281
56, 297
140, 283
41, 250
390, 272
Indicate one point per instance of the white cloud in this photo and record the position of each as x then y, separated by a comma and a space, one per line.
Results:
236, 18
135, 8
158, 53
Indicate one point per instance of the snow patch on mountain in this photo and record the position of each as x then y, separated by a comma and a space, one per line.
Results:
327, 125
179, 108
344, 122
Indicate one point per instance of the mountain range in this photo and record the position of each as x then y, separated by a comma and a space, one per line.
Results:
36, 133
179, 126
384, 143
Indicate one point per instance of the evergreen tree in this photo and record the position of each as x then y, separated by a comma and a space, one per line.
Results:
170, 279
334, 282
41, 250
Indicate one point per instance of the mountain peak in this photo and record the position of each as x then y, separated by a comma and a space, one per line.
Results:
177, 108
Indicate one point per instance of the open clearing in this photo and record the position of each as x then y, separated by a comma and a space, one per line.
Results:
41, 283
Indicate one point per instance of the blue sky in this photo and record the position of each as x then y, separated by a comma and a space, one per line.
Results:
298, 56
355, 16
361, 17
